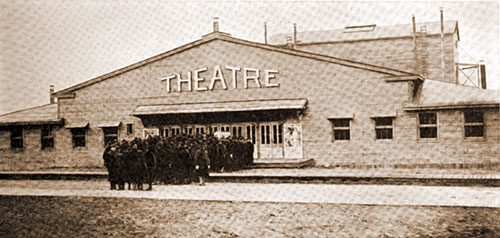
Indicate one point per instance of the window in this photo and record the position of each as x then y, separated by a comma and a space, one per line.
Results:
251, 133
427, 125
383, 128
473, 124
265, 131
110, 135
47, 137
165, 132
341, 129
78, 137
277, 134
237, 131
130, 129
16, 138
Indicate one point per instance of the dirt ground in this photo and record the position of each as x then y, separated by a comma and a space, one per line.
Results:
126, 217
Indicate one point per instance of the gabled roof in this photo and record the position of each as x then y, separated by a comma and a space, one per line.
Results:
45, 114
226, 37
441, 95
372, 33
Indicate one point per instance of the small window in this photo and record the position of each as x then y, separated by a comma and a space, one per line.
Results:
110, 135
47, 137
78, 137
427, 125
130, 129
16, 138
265, 134
165, 132
473, 124
341, 129
383, 128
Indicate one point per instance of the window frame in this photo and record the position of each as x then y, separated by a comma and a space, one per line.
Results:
73, 136
106, 135
341, 128
130, 129
420, 125
49, 137
383, 127
474, 124
21, 138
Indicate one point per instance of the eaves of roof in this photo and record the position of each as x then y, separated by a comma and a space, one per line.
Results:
226, 37
45, 114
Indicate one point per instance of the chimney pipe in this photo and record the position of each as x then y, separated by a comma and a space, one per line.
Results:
415, 43
216, 24
51, 92
442, 45
482, 69
294, 35
265, 32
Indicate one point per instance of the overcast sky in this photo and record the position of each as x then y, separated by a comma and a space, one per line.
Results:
68, 42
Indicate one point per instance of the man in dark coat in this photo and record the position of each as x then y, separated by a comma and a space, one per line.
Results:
219, 159
249, 149
202, 163
110, 161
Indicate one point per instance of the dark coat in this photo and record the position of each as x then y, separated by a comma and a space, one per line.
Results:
202, 162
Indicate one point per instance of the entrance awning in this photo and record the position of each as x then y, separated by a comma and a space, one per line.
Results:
109, 124
237, 106
74, 125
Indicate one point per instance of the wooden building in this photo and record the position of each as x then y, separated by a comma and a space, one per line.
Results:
296, 103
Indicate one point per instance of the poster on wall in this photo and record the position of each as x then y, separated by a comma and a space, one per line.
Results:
150, 132
293, 141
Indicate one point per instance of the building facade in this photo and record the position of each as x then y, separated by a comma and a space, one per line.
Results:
293, 104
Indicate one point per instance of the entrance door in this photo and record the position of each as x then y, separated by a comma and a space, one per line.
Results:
250, 132
271, 141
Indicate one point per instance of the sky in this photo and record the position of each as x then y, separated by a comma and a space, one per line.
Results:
68, 42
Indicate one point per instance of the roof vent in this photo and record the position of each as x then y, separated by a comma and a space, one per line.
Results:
360, 28
423, 29
289, 43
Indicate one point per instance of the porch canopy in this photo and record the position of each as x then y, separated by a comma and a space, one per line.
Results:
219, 112
235, 106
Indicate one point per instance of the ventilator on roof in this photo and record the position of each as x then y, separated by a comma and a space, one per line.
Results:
361, 28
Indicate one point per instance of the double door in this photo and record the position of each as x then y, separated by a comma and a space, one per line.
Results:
271, 140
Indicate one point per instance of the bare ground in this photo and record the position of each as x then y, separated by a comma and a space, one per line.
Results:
124, 217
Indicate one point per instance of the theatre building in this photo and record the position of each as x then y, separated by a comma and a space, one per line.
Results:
294, 104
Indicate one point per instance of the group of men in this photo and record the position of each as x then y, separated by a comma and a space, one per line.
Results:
179, 159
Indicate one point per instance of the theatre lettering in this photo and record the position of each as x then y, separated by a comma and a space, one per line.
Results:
196, 80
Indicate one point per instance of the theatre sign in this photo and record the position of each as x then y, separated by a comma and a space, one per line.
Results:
195, 81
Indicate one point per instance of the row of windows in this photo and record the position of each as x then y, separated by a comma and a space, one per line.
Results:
78, 137
427, 126
270, 134
46, 138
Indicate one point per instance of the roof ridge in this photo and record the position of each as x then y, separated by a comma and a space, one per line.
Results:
26, 109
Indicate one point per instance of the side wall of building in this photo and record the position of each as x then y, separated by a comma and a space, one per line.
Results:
397, 53
451, 147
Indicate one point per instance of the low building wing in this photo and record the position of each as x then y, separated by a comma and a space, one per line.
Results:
45, 114
440, 95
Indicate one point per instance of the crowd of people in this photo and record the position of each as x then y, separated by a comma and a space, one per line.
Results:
181, 159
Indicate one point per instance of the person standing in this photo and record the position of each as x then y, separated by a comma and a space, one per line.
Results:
202, 163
